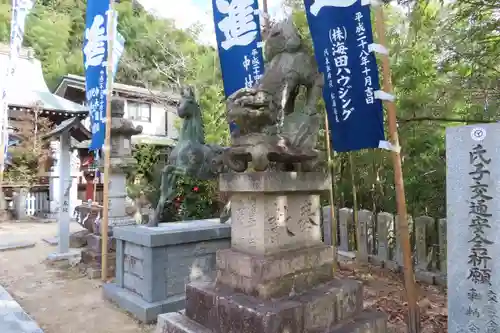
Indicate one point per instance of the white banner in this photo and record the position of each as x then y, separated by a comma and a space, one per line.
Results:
20, 10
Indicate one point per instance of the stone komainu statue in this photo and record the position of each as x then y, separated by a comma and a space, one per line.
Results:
270, 129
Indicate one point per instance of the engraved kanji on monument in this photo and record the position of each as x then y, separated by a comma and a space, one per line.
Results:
473, 211
269, 218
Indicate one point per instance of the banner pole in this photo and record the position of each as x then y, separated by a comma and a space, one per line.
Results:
3, 147
354, 205
409, 278
107, 143
333, 220
94, 189
4, 128
265, 9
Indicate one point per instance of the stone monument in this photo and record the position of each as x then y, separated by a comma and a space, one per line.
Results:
68, 128
473, 212
278, 275
73, 166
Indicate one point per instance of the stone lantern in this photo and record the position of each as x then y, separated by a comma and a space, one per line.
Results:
121, 161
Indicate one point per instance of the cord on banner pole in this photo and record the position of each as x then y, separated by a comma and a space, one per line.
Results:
107, 144
409, 278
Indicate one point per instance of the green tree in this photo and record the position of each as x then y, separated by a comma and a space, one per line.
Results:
436, 86
31, 157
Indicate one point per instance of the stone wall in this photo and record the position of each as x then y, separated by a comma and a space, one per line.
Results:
153, 265
380, 245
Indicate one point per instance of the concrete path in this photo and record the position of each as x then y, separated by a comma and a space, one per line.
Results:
13, 319
6, 246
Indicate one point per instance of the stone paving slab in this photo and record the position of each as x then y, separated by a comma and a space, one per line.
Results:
51, 240
5, 246
35, 220
13, 319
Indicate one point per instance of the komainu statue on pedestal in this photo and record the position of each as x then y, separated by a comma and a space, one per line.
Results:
269, 128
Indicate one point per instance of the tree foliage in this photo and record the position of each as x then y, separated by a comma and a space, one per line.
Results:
31, 157
445, 66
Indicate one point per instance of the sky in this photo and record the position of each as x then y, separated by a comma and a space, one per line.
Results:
185, 13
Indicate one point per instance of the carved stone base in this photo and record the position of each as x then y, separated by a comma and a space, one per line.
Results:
277, 277
334, 307
366, 322
92, 259
292, 291
273, 212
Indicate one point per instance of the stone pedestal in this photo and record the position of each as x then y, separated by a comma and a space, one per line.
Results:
153, 264
89, 216
93, 263
92, 256
277, 276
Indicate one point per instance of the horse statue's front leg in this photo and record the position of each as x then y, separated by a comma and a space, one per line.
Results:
169, 177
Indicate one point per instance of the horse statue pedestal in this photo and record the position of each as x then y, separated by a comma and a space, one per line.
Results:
154, 263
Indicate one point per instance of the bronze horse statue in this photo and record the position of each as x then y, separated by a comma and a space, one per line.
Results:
191, 155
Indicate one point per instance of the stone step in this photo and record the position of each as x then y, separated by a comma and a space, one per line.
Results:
175, 322
365, 322
318, 310
92, 257
13, 319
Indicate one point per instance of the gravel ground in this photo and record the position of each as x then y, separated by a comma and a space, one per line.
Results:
60, 301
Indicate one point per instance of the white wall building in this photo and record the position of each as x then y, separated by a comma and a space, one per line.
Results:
155, 111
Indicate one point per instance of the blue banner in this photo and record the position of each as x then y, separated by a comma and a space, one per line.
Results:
237, 28
95, 56
342, 36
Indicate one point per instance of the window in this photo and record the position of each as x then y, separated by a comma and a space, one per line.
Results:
139, 111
